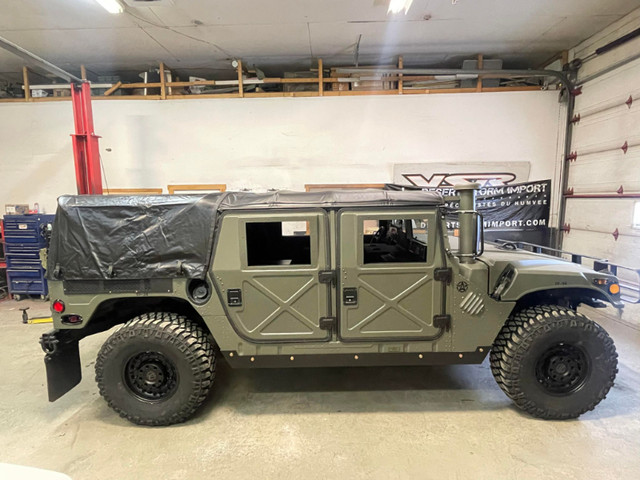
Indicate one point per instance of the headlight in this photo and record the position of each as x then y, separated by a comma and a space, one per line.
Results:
609, 284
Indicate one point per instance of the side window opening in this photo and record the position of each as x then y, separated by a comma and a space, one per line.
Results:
395, 240
636, 215
278, 243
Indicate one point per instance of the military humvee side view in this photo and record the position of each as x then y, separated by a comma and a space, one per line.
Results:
312, 279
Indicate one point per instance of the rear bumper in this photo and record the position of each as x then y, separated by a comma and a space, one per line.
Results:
62, 362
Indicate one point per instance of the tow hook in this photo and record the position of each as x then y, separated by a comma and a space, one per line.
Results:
49, 342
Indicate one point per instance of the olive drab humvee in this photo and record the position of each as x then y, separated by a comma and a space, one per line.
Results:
336, 278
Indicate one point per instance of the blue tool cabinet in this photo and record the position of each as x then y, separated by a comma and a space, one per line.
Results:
24, 236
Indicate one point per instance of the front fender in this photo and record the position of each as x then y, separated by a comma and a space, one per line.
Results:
517, 282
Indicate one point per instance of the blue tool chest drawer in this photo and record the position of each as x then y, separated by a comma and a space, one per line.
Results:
27, 282
26, 229
24, 236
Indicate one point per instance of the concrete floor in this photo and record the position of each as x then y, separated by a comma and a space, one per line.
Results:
418, 422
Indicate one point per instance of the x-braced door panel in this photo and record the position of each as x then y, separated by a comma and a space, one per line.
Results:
387, 286
267, 270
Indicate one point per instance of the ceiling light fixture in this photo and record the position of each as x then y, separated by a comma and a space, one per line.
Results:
396, 6
111, 6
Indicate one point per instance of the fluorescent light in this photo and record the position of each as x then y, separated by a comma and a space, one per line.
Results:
396, 6
112, 6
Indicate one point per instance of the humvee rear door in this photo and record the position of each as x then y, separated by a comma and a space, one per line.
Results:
266, 267
386, 270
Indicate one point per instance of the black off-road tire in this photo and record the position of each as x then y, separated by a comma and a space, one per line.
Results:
523, 356
177, 355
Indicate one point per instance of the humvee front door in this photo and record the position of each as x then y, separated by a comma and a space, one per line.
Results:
386, 267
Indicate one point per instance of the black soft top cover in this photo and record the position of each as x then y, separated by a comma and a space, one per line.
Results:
167, 236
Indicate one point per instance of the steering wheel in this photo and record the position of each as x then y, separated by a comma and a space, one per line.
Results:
379, 235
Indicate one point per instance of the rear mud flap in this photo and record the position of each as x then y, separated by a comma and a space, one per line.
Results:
62, 362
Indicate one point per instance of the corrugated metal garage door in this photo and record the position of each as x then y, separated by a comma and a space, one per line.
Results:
604, 177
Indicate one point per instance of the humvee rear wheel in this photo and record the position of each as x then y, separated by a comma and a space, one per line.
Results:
554, 363
157, 369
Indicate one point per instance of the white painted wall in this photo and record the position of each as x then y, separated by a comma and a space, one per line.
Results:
275, 143
592, 221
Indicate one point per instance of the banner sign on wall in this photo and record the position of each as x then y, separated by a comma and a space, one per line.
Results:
513, 207
511, 212
519, 207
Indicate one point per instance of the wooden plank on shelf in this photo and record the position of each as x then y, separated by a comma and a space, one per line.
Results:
298, 80
402, 76
27, 87
290, 80
129, 97
49, 99
203, 95
195, 83
427, 91
280, 94
112, 89
400, 82
163, 83
347, 93
528, 88
472, 90
265, 94
300, 94
141, 85
220, 187
240, 84
480, 67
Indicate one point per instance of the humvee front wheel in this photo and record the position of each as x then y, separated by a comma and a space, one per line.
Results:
157, 369
554, 363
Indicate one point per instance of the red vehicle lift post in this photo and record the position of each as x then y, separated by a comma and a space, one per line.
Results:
86, 152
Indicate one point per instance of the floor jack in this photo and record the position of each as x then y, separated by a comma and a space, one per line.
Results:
26, 319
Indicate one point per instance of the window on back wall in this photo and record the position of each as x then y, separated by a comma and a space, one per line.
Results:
636, 215
278, 243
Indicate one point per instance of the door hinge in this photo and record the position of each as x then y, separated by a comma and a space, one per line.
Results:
443, 275
442, 321
328, 276
327, 323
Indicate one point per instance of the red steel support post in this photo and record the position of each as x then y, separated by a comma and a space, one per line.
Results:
86, 152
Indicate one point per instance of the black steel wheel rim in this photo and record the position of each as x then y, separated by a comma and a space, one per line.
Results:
151, 376
562, 369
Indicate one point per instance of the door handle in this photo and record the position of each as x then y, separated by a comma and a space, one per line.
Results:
234, 297
350, 296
